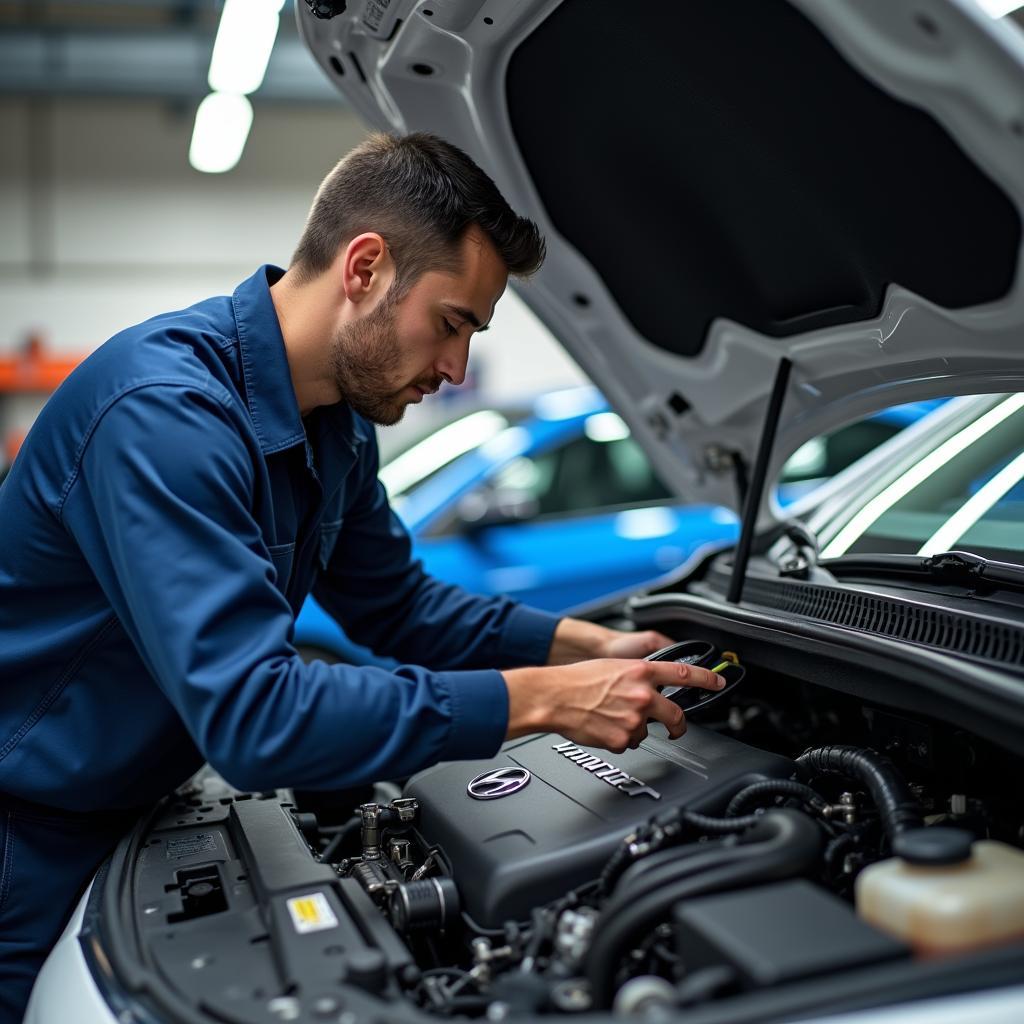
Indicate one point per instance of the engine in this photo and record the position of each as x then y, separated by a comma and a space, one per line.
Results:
771, 855
545, 815
560, 878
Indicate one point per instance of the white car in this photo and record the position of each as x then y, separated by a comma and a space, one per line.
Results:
765, 220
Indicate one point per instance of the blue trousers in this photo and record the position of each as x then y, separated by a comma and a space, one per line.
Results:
47, 857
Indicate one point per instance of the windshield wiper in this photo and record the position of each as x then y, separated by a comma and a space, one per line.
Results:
960, 567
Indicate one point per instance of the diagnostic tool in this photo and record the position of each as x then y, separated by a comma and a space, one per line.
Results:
706, 655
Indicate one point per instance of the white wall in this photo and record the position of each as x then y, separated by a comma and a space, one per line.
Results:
124, 228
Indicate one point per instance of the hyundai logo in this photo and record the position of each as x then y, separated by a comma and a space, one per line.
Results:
498, 782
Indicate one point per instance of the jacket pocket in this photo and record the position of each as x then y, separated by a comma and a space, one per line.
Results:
282, 555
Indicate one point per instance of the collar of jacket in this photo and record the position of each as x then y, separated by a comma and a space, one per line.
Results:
268, 380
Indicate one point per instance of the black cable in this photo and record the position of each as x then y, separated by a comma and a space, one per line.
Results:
344, 831
897, 806
785, 843
774, 787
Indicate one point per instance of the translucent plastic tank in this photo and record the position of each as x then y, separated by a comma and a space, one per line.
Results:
943, 893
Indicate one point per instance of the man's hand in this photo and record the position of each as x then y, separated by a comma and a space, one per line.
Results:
604, 703
576, 640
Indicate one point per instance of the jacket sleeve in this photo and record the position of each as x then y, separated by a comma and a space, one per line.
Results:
380, 594
161, 508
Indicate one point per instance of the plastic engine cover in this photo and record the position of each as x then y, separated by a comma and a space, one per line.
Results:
511, 853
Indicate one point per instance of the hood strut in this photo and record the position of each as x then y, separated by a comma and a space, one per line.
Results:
752, 504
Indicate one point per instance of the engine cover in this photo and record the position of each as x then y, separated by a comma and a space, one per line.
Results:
509, 853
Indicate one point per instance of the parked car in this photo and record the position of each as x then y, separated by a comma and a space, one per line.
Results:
765, 221
554, 503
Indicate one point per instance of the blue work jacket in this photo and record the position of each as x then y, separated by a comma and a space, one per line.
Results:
164, 521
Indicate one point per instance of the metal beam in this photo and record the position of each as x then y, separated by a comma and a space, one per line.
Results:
152, 63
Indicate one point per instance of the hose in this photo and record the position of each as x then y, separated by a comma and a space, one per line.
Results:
666, 830
774, 787
339, 837
897, 806
784, 843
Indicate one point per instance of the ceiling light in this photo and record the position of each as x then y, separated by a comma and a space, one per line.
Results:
242, 48
222, 125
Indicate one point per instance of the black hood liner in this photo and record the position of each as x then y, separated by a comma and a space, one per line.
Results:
721, 159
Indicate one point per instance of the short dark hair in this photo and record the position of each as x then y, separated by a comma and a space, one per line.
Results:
421, 194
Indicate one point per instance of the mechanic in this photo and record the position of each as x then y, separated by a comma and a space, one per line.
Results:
199, 475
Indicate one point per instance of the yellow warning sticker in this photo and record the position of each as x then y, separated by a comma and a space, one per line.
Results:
311, 913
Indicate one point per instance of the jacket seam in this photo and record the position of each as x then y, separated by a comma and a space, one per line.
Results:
7, 860
221, 399
58, 687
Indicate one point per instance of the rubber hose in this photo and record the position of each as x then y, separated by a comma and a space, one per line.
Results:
774, 787
670, 860
787, 843
663, 868
622, 860
339, 837
649, 874
897, 805
719, 826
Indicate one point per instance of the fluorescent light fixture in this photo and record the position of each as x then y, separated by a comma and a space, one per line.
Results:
605, 426
997, 8
974, 508
444, 445
917, 474
242, 48
222, 125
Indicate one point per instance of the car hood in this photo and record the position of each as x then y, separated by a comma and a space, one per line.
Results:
726, 185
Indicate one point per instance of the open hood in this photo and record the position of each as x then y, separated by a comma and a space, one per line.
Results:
724, 185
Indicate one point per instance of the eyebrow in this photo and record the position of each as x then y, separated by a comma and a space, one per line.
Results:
467, 314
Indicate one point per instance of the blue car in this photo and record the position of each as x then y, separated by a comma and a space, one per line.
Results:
556, 505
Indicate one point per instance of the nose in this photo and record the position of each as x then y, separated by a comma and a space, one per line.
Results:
453, 362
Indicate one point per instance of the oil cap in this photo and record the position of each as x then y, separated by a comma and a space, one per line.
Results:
933, 847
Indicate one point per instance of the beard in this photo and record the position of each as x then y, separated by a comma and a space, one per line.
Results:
366, 360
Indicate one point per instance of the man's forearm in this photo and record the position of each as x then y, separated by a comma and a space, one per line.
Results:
576, 640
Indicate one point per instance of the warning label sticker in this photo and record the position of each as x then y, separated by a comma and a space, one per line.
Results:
191, 846
311, 913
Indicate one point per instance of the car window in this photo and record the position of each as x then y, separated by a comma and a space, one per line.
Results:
965, 494
604, 468
823, 457
410, 468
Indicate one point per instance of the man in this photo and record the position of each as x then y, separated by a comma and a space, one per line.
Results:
197, 477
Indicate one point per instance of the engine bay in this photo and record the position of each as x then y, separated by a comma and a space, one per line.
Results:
701, 874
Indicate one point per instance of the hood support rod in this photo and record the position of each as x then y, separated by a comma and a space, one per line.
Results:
755, 491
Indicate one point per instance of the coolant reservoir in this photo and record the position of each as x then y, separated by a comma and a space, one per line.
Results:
943, 893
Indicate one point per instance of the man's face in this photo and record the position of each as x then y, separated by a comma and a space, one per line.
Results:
400, 351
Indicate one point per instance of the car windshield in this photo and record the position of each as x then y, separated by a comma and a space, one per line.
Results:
410, 468
967, 494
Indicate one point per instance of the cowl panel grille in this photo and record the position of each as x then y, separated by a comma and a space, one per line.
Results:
901, 620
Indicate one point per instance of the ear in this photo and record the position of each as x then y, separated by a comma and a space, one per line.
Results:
367, 269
